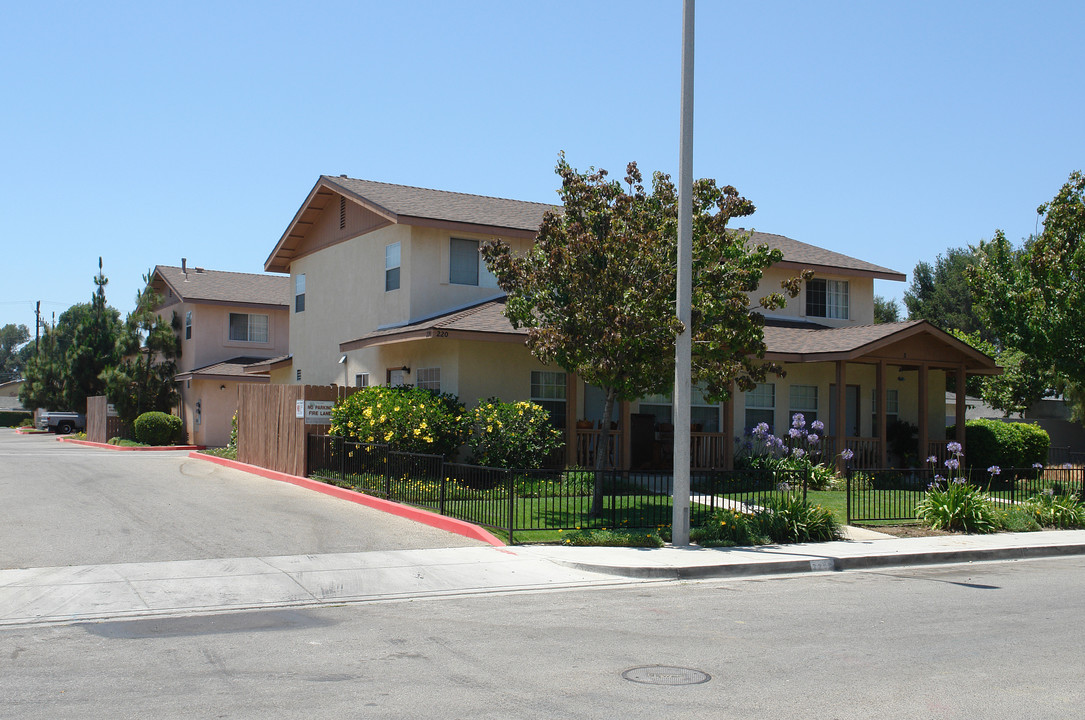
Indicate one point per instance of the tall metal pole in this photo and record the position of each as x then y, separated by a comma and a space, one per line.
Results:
683, 353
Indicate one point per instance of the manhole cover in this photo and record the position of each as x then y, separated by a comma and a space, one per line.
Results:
665, 675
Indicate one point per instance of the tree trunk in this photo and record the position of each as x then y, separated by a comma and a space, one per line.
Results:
601, 452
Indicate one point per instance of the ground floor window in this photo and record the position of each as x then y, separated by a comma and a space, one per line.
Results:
361, 380
892, 409
761, 406
803, 399
548, 390
428, 378
703, 415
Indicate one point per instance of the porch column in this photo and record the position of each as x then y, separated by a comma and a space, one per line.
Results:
624, 421
571, 381
883, 449
841, 414
961, 407
729, 431
924, 413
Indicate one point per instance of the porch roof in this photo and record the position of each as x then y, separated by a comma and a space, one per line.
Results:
910, 343
233, 369
483, 321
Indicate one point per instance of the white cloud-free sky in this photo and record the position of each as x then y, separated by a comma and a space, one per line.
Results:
147, 132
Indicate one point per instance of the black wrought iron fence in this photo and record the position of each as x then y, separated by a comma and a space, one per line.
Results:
525, 500
893, 495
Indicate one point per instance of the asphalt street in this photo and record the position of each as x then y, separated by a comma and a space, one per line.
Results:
66, 504
991, 640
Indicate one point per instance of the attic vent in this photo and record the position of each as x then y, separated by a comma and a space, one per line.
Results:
342, 212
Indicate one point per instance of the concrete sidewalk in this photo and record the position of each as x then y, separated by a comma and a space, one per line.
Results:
62, 595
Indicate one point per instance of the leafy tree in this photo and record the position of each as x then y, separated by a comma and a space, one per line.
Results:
93, 348
11, 337
941, 294
597, 289
886, 310
1033, 297
1024, 379
148, 346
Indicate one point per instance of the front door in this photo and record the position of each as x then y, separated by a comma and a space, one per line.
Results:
851, 411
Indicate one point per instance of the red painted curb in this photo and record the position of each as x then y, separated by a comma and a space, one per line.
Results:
460, 527
107, 446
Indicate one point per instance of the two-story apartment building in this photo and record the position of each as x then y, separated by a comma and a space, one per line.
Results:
228, 321
389, 288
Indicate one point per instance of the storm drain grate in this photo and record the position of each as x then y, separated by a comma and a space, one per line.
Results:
665, 675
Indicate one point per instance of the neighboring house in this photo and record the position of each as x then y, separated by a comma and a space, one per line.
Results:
9, 394
227, 322
389, 288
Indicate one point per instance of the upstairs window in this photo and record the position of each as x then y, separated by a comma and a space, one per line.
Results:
248, 328
827, 298
391, 267
466, 266
188, 325
299, 293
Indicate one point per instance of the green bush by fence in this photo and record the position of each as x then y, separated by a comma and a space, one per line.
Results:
13, 418
992, 442
157, 428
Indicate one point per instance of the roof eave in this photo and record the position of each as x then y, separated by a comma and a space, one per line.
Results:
837, 270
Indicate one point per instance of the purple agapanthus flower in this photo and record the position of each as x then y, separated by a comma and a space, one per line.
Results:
1037, 466
798, 420
795, 433
798, 452
932, 459
955, 448
953, 463
958, 481
994, 470
817, 426
812, 438
847, 454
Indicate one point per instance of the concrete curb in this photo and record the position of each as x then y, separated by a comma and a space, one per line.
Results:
149, 448
827, 563
459, 527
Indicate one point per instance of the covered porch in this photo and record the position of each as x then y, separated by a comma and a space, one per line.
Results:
889, 378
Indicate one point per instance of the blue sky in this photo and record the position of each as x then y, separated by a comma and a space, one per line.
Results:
146, 132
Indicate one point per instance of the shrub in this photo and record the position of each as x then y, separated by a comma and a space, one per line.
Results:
1059, 511
15, 418
511, 435
408, 419
957, 506
1007, 445
1015, 518
157, 428
729, 528
613, 538
790, 519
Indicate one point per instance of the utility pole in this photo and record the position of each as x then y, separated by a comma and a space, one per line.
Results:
683, 350
37, 325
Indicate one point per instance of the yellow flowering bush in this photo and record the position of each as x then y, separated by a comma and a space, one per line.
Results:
408, 419
511, 435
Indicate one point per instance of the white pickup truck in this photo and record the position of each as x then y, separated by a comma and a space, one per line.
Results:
62, 423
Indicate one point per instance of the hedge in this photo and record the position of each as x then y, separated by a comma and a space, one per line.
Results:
1005, 444
157, 428
12, 418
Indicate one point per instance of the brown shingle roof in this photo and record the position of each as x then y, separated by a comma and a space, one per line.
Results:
222, 287
404, 201
810, 256
227, 369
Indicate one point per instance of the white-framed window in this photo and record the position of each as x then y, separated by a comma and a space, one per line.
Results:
761, 406
803, 399
892, 408
299, 293
248, 328
466, 266
548, 390
702, 413
361, 380
827, 298
188, 325
391, 267
428, 378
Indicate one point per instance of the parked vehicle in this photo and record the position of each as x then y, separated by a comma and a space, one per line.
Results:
62, 423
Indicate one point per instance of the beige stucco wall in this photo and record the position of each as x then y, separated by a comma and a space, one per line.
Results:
210, 342
217, 408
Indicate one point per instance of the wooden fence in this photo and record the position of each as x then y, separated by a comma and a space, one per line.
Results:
101, 425
273, 422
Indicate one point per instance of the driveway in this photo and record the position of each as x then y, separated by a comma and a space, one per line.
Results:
67, 504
